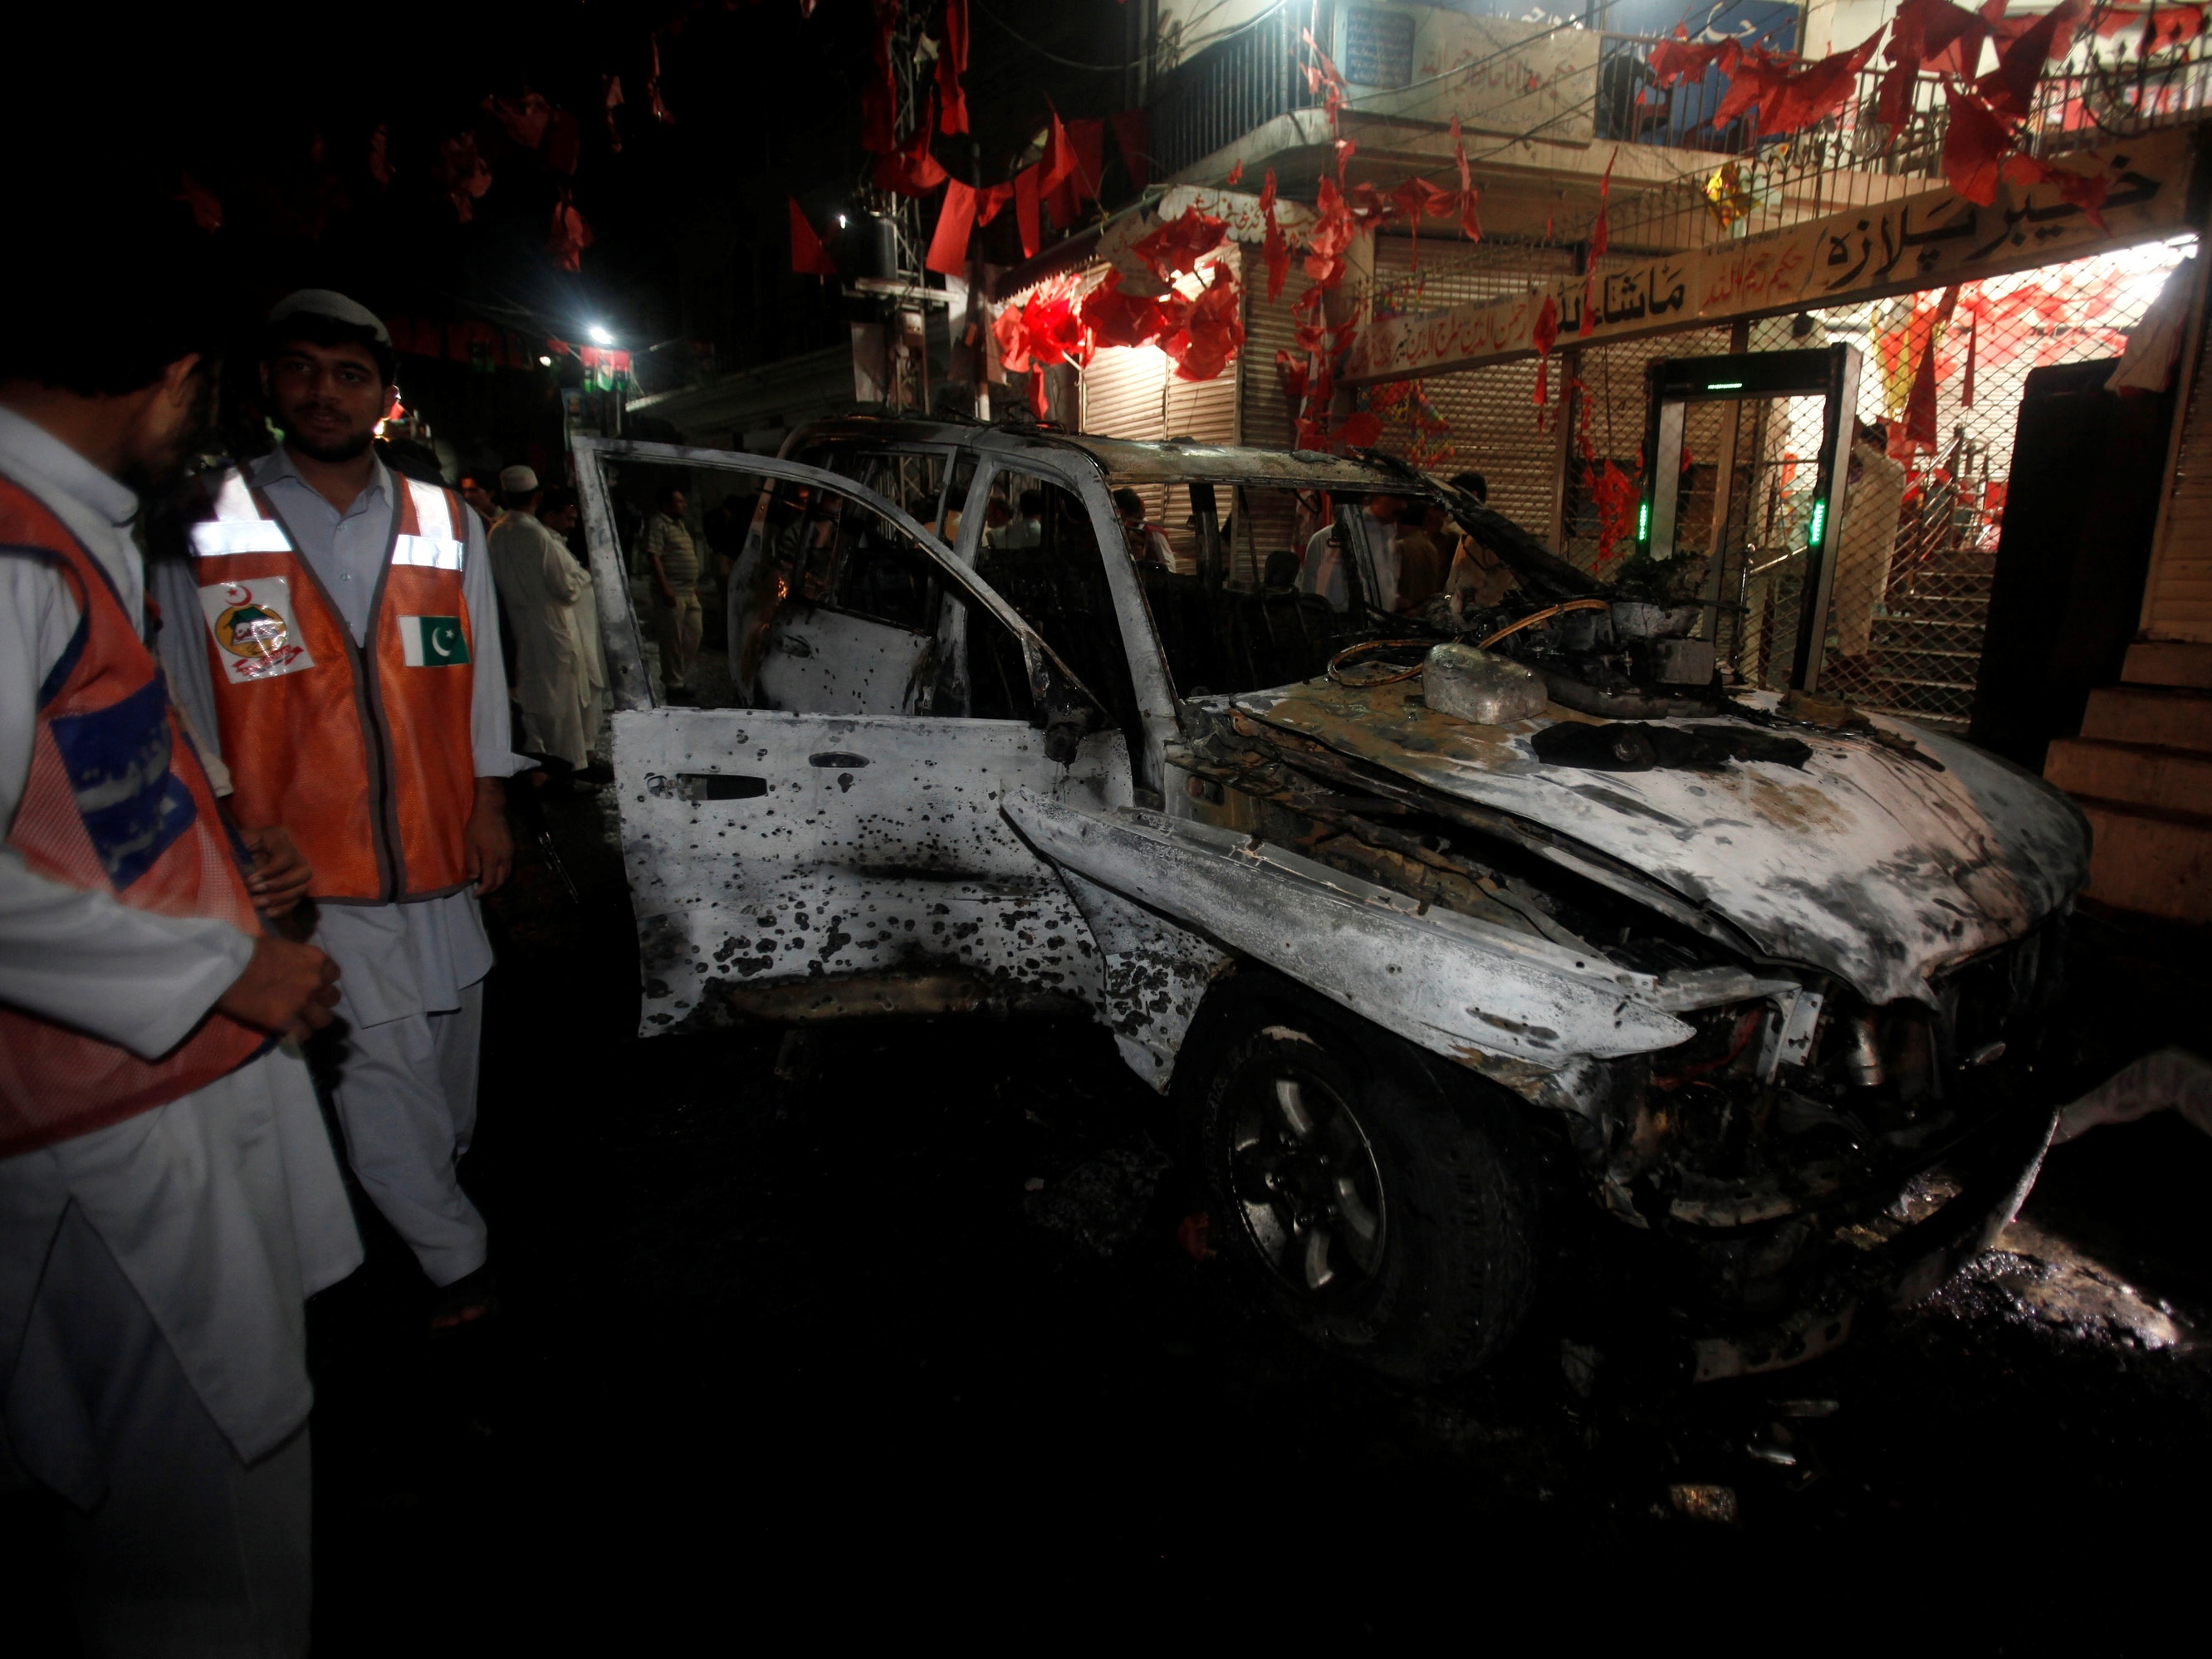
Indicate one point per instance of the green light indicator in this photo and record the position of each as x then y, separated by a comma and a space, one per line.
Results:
1643, 522
1725, 385
1819, 522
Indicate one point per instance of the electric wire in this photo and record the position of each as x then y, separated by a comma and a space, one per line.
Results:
1044, 52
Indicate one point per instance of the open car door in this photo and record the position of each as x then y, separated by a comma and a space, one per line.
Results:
836, 845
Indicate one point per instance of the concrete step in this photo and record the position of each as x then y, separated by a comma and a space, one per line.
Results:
2157, 863
1938, 607
2132, 774
2166, 716
1937, 626
2169, 662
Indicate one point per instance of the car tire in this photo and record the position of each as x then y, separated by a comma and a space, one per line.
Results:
1378, 1199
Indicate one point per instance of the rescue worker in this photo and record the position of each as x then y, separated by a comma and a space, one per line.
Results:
378, 733
540, 584
168, 1196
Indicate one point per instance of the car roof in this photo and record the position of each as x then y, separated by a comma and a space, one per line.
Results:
1126, 460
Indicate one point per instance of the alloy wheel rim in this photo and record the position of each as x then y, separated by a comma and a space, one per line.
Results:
1306, 1183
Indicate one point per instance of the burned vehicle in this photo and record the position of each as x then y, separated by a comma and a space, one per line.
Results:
1424, 941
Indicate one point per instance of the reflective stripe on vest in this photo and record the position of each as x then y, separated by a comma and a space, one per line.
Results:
116, 800
363, 751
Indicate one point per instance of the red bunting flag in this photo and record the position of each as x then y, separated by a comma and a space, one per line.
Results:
1544, 336
1116, 319
1918, 430
1600, 238
1025, 210
990, 199
2010, 87
1133, 138
2086, 190
1059, 159
1682, 58
1973, 148
1790, 98
808, 257
880, 92
911, 170
951, 64
569, 236
948, 247
1175, 248
1084, 144
1276, 249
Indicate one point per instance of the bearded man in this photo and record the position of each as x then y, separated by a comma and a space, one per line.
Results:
377, 732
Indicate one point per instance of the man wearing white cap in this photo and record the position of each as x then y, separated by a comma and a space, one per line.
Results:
365, 710
541, 583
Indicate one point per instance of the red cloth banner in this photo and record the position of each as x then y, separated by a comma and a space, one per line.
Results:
951, 64
1133, 137
808, 257
948, 247
1025, 210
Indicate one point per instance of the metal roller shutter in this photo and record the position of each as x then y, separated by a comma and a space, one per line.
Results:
1125, 396
1479, 419
1267, 422
1123, 393
1264, 410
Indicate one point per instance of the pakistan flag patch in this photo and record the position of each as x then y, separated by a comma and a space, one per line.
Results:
434, 641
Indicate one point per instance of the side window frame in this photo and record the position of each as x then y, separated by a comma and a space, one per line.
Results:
1140, 643
631, 688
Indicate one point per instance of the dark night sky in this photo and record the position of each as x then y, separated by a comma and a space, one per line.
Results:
764, 105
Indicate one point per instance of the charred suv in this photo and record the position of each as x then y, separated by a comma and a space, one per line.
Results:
1430, 926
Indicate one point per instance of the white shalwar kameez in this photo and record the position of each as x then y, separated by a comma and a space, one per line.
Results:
1321, 571
540, 582
153, 1273
411, 995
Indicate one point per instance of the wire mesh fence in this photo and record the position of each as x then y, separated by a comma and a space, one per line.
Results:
1915, 549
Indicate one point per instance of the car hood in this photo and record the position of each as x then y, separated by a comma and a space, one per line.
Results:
1874, 865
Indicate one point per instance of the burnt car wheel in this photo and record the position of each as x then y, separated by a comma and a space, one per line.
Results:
1373, 1197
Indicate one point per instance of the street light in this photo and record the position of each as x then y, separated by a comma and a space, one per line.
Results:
600, 336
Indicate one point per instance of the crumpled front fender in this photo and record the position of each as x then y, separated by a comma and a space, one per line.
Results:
1454, 985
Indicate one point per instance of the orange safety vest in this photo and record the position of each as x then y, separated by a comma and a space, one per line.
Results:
116, 800
363, 752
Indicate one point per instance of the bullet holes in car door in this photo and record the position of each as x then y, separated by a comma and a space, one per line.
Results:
844, 833
842, 609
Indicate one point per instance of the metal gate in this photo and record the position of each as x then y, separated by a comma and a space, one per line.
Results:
1918, 553
1915, 550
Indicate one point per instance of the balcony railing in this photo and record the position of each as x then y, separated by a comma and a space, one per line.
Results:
1850, 159
1227, 90
1237, 85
